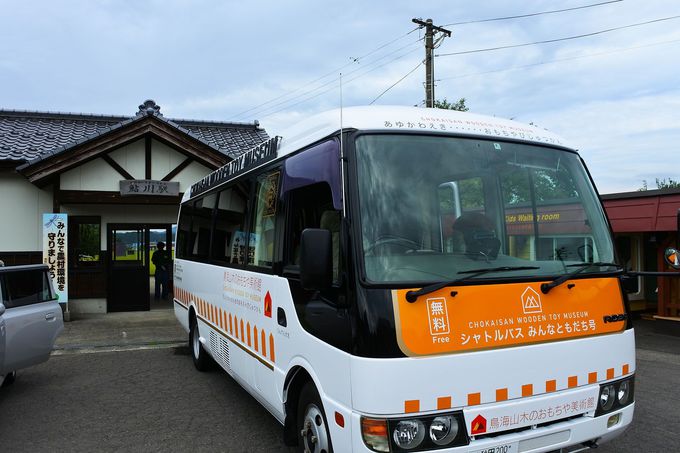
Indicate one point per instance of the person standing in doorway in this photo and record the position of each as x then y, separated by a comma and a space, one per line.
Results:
161, 259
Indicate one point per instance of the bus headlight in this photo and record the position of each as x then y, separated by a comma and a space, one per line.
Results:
443, 430
623, 393
417, 433
607, 398
408, 434
615, 395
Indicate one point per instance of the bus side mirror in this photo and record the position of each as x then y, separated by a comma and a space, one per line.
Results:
629, 283
316, 259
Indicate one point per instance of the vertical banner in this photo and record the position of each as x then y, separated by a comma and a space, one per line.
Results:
55, 252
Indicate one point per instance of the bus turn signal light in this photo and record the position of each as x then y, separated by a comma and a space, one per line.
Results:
339, 419
374, 432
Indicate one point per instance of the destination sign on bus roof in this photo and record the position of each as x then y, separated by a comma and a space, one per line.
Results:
262, 153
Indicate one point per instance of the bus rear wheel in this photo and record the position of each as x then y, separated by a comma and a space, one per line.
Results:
8, 379
312, 427
202, 361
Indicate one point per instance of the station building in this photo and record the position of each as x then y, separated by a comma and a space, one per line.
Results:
645, 224
119, 179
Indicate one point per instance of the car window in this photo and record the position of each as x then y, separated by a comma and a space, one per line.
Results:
25, 288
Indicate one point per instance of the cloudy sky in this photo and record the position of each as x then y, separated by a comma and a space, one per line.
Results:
615, 94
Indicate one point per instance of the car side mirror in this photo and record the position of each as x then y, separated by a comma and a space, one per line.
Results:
2, 308
316, 259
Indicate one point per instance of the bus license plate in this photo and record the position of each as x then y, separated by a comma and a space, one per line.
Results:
503, 448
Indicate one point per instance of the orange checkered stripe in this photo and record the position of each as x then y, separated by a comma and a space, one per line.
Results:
255, 341
501, 394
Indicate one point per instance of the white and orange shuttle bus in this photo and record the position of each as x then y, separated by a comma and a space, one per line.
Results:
411, 280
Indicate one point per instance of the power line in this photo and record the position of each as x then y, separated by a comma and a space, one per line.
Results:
259, 111
396, 83
578, 57
335, 71
345, 82
532, 14
608, 30
305, 95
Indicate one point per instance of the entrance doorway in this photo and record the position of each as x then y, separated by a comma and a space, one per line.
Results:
130, 269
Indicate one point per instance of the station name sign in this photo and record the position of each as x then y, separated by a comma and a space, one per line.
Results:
131, 187
262, 153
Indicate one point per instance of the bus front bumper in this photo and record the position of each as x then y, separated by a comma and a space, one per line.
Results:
576, 434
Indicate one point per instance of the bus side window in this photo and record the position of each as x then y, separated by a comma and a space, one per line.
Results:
200, 227
184, 230
312, 207
261, 241
229, 237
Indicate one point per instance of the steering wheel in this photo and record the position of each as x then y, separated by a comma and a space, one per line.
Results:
390, 241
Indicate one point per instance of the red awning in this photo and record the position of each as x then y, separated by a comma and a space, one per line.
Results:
643, 213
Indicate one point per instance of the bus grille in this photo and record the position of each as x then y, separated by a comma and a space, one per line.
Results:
527, 428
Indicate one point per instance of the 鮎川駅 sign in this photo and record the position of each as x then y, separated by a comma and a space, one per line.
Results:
132, 187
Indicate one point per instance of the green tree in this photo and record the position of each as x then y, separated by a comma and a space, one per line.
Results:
444, 104
661, 184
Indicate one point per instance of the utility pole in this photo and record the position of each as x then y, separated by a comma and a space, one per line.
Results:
430, 31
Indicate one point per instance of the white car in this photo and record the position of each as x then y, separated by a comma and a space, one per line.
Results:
30, 318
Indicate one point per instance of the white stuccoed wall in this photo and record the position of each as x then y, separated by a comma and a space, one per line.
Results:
21, 207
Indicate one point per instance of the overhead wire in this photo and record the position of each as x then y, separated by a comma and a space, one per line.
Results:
308, 95
577, 57
344, 81
333, 72
547, 41
259, 112
531, 14
396, 83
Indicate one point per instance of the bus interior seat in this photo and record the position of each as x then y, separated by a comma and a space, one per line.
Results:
479, 235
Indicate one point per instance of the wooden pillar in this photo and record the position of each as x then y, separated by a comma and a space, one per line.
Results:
56, 194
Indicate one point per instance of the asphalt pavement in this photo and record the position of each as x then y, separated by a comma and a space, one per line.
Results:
120, 332
136, 400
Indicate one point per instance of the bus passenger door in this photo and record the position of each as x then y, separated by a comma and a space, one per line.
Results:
321, 313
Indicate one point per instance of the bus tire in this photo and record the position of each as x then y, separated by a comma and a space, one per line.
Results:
8, 379
312, 426
201, 358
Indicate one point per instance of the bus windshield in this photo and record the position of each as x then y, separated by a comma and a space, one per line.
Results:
433, 208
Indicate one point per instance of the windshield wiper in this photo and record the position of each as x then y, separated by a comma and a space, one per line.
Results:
412, 296
546, 287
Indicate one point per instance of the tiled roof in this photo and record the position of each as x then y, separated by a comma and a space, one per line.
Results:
29, 135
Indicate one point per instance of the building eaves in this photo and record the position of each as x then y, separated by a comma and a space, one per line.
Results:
31, 136
65, 148
640, 194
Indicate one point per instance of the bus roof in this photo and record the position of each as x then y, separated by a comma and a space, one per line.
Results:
376, 118
411, 119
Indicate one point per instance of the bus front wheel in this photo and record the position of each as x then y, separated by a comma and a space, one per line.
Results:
202, 361
312, 427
